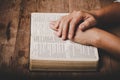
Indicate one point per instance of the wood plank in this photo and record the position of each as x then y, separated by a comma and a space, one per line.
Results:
53, 6
106, 2
9, 19
115, 67
23, 36
83, 5
87, 5
114, 62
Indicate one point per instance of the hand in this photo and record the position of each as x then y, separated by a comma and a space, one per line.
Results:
66, 25
91, 36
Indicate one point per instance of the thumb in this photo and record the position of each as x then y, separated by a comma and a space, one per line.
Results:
88, 23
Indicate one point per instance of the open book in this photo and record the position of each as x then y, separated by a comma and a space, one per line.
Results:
50, 53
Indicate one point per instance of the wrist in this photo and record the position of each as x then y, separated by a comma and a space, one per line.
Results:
97, 37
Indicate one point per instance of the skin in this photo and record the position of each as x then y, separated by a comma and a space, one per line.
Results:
66, 25
78, 27
100, 39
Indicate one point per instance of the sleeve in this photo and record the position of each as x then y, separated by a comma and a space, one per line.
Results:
117, 1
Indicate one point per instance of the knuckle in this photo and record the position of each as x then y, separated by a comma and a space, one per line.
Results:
72, 24
65, 22
74, 11
74, 21
93, 18
61, 18
87, 22
80, 12
67, 19
87, 25
64, 33
70, 32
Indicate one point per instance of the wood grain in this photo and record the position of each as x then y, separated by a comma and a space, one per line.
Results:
54, 6
106, 2
114, 62
23, 37
9, 20
83, 5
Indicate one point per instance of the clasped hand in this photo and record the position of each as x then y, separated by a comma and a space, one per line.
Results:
75, 27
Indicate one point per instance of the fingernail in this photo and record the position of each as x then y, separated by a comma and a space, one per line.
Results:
63, 37
70, 36
82, 27
51, 25
59, 34
56, 33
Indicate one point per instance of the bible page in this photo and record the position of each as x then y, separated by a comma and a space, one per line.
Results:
45, 45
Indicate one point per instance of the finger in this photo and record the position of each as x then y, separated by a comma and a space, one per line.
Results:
59, 33
56, 33
73, 25
87, 24
65, 28
55, 23
52, 27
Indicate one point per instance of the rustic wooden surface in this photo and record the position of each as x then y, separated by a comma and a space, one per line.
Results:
15, 39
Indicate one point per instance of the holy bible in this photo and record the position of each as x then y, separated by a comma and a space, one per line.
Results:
50, 53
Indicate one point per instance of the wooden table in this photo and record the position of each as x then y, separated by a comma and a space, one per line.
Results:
15, 39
